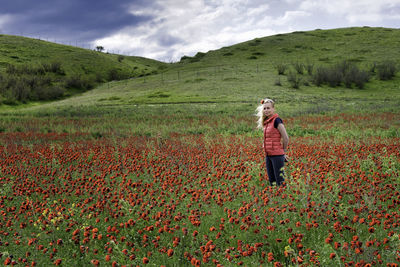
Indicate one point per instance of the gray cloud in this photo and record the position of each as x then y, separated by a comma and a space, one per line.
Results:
72, 19
168, 29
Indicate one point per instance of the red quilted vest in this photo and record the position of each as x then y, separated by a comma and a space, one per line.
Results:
272, 138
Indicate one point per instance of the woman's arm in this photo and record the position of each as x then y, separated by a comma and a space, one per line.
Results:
285, 137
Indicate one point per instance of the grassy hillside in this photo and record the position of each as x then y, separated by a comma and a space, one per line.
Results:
22, 50
35, 64
225, 85
246, 72
363, 45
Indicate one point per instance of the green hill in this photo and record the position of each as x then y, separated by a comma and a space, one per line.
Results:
242, 73
363, 45
29, 56
247, 71
218, 91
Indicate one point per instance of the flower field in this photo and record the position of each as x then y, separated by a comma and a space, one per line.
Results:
71, 199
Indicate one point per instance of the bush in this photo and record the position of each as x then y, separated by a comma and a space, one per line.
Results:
294, 80
320, 76
334, 77
330, 76
344, 72
386, 70
11, 69
77, 82
25, 69
21, 91
49, 93
372, 67
281, 68
355, 76
343, 67
54, 67
299, 67
116, 74
310, 68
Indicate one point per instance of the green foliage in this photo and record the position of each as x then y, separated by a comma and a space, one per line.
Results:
196, 58
221, 76
281, 68
79, 82
117, 74
294, 79
386, 70
120, 58
344, 72
26, 82
299, 67
58, 68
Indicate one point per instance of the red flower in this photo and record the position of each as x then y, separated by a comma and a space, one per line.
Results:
170, 252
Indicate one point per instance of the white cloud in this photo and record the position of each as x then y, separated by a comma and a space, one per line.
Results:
181, 27
195, 25
291, 17
354, 11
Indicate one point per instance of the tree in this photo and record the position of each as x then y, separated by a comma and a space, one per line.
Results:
99, 48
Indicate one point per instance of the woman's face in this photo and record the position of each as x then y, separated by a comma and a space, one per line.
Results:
269, 110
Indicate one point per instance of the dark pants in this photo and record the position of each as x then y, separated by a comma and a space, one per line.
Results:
275, 169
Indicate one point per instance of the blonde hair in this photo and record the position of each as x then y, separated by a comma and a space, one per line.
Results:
260, 112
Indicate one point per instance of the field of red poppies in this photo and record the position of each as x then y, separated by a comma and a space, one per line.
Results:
71, 199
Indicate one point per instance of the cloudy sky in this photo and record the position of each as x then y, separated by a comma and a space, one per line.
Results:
168, 29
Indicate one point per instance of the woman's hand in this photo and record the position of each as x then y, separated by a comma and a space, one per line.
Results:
286, 158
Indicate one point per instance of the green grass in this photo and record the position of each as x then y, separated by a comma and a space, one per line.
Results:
222, 85
194, 123
22, 50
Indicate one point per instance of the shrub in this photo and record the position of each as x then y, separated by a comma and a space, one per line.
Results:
99, 78
116, 74
343, 72
334, 77
21, 91
294, 80
309, 67
356, 76
372, 67
77, 82
54, 67
48, 93
278, 82
361, 78
343, 67
281, 68
386, 70
299, 67
11, 69
320, 76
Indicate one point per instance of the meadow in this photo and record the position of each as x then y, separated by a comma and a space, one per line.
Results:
77, 198
168, 169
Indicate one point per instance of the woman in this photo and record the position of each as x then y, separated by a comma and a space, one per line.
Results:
275, 142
